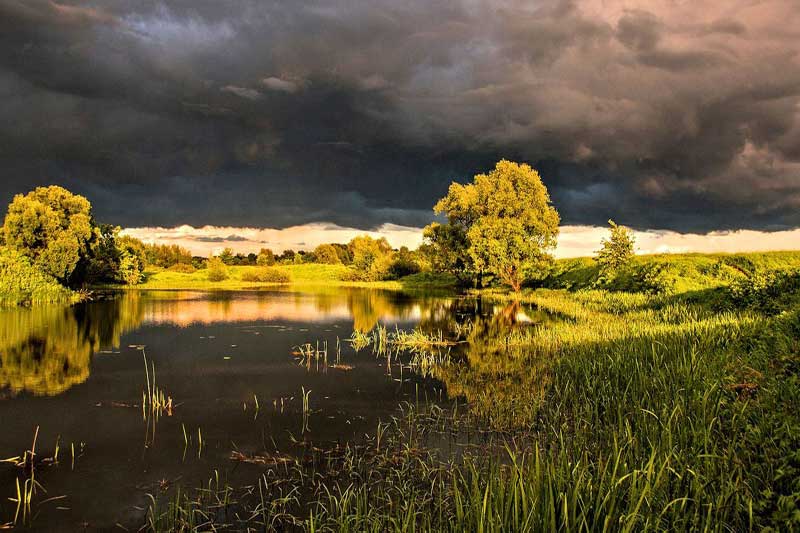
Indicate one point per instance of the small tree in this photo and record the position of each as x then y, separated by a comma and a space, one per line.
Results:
216, 269
404, 263
371, 257
445, 247
265, 257
327, 254
227, 257
617, 249
130, 268
287, 257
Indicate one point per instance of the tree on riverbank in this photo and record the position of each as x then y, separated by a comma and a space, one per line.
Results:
52, 227
502, 223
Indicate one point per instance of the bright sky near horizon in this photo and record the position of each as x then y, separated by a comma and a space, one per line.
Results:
574, 241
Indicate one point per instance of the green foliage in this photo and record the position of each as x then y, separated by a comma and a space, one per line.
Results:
502, 223
768, 292
344, 253
326, 254
266, 275
130, 268
445, 248
52, 227
22, 283
217, 270
182, 268
371, 258
617, 250
226, 256
161, 255
404, 263
265, 257
287, 257
668, 273
102, 264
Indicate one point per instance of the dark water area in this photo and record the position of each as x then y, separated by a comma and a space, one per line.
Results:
229, 363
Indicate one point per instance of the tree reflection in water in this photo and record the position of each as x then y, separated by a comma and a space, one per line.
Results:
45, 350
491, 368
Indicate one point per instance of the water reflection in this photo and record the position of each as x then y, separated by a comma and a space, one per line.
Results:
491, 367
45, 350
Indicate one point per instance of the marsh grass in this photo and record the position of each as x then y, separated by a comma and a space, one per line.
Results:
155, 401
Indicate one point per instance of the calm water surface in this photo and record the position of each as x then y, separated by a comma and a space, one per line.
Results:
77, 373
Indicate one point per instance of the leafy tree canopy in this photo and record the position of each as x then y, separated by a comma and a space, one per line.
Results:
326, 253
265, 257
502, 223
52, 227
367, 251
617, 249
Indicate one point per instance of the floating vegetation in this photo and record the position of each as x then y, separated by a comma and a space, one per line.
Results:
272, 459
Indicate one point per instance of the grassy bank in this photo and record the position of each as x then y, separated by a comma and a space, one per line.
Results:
668, 273
651, 274
630, 412
298, 275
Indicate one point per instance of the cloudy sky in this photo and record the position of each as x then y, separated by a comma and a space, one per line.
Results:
674, 116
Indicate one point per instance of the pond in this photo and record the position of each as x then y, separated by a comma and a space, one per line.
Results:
232, 371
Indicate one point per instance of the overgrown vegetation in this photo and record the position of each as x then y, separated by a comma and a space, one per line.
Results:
266, 275
21, 283
669, 273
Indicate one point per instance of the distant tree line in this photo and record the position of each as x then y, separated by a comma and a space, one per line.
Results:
501, 227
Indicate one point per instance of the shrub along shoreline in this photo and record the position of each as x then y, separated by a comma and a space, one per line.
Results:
253, 277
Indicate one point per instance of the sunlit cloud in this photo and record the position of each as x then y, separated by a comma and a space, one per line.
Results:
208, 240
578, 241
574, 241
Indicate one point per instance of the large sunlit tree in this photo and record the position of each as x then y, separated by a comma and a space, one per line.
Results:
503, 223
52, 227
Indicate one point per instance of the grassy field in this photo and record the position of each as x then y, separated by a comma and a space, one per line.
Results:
626, 412
304, 274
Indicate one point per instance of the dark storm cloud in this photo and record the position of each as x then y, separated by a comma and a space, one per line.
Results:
679, 115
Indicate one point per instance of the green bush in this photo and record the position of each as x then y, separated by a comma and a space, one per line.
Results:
217, 270
23, 283
768, 292
266, 275
183, 268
